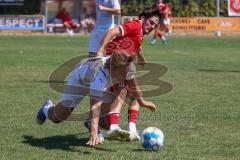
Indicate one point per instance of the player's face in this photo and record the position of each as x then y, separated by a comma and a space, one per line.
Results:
149, 24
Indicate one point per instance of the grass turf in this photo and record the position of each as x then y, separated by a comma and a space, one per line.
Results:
199, 117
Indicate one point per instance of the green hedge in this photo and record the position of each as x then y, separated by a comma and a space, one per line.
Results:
191, 8
205, 9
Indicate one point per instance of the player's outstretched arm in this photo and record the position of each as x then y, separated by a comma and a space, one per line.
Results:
147, 104
109, 35
94, 116
140, 56
137, 94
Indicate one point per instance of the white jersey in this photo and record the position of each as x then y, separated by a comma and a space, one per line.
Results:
75, 89
104, 19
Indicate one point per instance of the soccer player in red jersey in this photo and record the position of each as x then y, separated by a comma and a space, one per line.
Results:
127, 39
166, 11
161, 5
67, 22
167, 15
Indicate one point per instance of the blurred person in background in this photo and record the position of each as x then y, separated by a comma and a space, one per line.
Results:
67, 22
165, 9
105, 11
87, 24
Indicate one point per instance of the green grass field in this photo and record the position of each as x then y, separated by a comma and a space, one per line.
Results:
200, 117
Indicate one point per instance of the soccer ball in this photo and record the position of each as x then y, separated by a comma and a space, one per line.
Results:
152, 138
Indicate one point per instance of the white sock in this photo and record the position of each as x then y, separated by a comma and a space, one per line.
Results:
45, 110
132, 127
114, 127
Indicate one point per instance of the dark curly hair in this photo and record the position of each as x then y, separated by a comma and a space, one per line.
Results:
149, 12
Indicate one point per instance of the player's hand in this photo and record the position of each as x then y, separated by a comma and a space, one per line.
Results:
149, 105
93, 141
101, 7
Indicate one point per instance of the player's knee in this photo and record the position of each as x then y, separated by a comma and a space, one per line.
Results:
59, 113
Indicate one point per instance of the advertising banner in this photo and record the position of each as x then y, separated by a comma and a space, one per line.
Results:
205, 24
22, 23
233, 7
12, 2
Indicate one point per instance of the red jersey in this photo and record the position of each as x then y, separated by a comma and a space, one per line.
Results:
165, 9
63, 16
167, 12
162, 7
129, 42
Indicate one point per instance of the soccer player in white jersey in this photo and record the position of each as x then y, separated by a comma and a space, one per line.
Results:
86, 79
105, 11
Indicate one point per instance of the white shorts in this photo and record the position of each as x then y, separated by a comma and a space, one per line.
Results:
166, 21
95, 39
75, 89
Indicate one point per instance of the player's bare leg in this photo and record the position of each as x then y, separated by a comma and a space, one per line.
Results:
155, 36
56, 113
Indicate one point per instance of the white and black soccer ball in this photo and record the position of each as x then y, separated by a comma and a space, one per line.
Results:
152, 138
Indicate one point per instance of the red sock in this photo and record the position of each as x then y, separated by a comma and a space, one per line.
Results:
132, 115
113, 118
